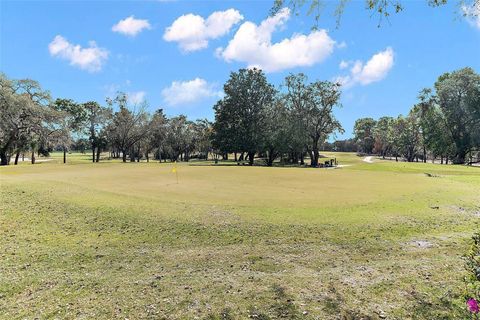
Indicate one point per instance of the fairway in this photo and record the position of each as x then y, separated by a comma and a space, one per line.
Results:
124, 240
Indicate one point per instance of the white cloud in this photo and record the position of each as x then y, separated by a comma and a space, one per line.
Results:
342, 45
252, 44
374, 70
90, 59
185, 92
344, 64
472, 14
192, 32
131, 26
136, 97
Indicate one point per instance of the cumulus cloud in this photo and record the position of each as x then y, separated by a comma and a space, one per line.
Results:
374, 70
131, 26
136, 97
253, 45
192, 32
186, 92
344, 64
472, 14
90, 58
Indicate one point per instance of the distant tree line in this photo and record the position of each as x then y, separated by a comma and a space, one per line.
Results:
253, 121
31, 122
444, 124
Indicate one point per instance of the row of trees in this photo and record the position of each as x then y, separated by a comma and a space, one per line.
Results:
31, 122
253, 119
444, 124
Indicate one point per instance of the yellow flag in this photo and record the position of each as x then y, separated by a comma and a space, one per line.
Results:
174, 170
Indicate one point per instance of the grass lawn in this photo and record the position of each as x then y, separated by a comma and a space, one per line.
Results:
114, 240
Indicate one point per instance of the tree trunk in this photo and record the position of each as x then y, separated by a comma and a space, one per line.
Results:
99, 150
93, 153
441, 159
302, 158
124, 156
460, 157
16, 157
23, 156
251, 158
314, 156
271, 157
235, 155
64, 155
241, 158
33, 157
132, 155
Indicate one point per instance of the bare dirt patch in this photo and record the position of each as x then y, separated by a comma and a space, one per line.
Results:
422, 244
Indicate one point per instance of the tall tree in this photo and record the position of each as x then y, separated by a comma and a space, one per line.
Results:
278, 131
71, 119
23, 113
128, 127
363, 131
97, 118
240, 115
312, 107
179, 137
407, 136
156, 135
458, 96
382, 134
203, 133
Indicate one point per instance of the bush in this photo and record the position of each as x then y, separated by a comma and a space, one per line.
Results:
472, 264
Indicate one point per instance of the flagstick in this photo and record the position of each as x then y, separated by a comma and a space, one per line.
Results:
174, 169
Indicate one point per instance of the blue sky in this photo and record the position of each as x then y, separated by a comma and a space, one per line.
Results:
182, 69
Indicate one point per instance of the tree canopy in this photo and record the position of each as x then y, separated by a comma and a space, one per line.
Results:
253, 119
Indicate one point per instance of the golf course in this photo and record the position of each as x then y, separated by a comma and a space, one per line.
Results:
367, 240
240, 160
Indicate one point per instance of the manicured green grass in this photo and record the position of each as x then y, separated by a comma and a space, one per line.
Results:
114, 240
